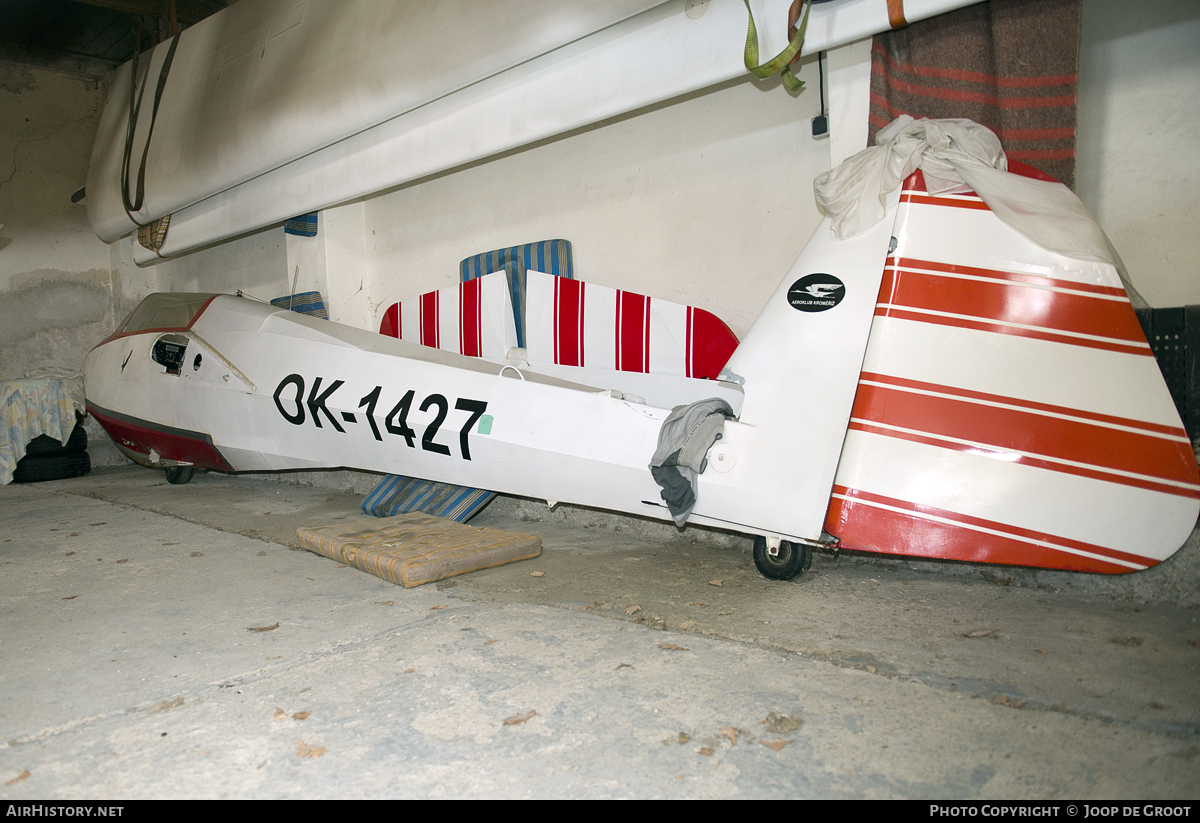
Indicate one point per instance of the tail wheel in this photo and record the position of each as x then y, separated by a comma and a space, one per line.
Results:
178, 475
789, 561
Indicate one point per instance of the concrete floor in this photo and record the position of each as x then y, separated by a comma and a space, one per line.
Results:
170, 641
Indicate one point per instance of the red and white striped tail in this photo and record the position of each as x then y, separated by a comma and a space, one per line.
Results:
572, 323
1009, 408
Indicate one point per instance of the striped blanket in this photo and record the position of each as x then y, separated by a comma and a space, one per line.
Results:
1010, 65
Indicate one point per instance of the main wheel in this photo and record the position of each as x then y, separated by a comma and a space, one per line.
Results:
178, 475
789, 562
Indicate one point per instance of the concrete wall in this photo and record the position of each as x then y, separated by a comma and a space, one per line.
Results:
1139, 139
56, 293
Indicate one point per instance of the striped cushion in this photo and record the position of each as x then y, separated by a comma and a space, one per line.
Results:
305, 225
399, 495
416, 548
550, 256
306, 302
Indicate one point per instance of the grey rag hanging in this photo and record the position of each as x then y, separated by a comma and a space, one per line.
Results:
683, 443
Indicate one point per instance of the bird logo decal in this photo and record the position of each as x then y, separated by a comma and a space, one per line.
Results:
816, 292
822, 289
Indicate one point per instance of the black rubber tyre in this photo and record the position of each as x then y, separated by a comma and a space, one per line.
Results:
791, 562
42, 467
178, 475
45, 444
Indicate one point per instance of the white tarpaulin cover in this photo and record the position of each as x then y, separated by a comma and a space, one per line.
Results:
266, 81
274, 108
958, 156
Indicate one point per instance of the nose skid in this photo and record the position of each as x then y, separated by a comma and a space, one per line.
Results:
158, 446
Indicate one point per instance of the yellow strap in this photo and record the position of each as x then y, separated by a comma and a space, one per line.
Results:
780, 63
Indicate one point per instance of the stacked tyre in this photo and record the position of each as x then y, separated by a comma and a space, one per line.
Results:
47, 459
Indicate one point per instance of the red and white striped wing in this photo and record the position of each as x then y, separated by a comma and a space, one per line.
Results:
1009, 409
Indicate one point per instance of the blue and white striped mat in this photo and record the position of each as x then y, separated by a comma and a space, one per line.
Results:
400, 495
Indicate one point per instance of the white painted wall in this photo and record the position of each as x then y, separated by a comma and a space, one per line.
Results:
1138, 158
706, 201
848, 87
255, 263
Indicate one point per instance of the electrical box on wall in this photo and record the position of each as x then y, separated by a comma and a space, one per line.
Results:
820, 126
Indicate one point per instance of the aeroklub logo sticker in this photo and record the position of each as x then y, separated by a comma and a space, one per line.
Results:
816, 292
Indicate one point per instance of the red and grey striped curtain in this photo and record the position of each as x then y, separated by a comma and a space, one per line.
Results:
1010, 65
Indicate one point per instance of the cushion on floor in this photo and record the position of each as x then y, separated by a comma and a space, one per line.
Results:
416, 548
